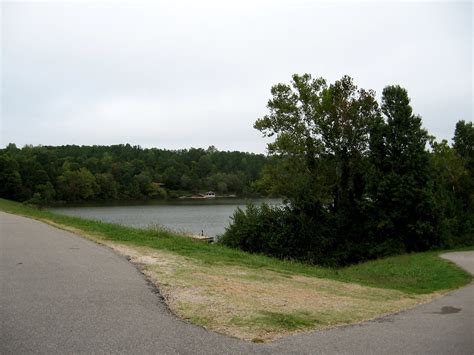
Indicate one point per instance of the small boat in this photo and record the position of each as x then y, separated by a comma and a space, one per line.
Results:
210, 194
202, 238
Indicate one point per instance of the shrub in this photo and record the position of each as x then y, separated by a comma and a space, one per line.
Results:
284, 232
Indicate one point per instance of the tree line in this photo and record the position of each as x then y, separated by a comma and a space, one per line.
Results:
45, 174
360, 179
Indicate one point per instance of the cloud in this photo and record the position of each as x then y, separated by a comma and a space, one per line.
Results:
186, 74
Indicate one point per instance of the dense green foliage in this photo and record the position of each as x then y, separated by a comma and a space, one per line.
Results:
79, 173
419, 273
357, 176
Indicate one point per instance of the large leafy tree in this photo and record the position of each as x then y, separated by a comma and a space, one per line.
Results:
294, 113
322, 136
315, 123
348, 113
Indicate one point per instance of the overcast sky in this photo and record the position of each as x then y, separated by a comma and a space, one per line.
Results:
193, 74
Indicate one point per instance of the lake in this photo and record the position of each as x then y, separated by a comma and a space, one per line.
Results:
210, 216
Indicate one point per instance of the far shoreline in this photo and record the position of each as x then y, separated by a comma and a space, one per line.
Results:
184, 200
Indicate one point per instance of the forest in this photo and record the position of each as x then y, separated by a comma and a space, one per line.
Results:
361, 179
46, 174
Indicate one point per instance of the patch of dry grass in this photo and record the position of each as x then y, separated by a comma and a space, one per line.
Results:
255, 304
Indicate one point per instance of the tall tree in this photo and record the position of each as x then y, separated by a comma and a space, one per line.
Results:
464, 146
406, 217
464, 139
348, 113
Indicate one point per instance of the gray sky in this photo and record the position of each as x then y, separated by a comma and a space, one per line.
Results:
192, 74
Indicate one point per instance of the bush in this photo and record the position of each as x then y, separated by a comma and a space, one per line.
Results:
284, 232
252, 228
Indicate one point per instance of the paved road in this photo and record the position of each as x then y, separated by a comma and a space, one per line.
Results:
62, 294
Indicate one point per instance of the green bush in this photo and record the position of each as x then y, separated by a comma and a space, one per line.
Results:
283, 232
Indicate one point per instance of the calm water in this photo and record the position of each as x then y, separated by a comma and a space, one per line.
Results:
187, 216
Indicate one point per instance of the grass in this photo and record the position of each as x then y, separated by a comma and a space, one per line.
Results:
288, 321
259, 298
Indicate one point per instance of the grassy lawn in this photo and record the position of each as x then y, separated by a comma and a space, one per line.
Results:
259, 298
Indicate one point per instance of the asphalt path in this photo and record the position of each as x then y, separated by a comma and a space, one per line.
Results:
60, 293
